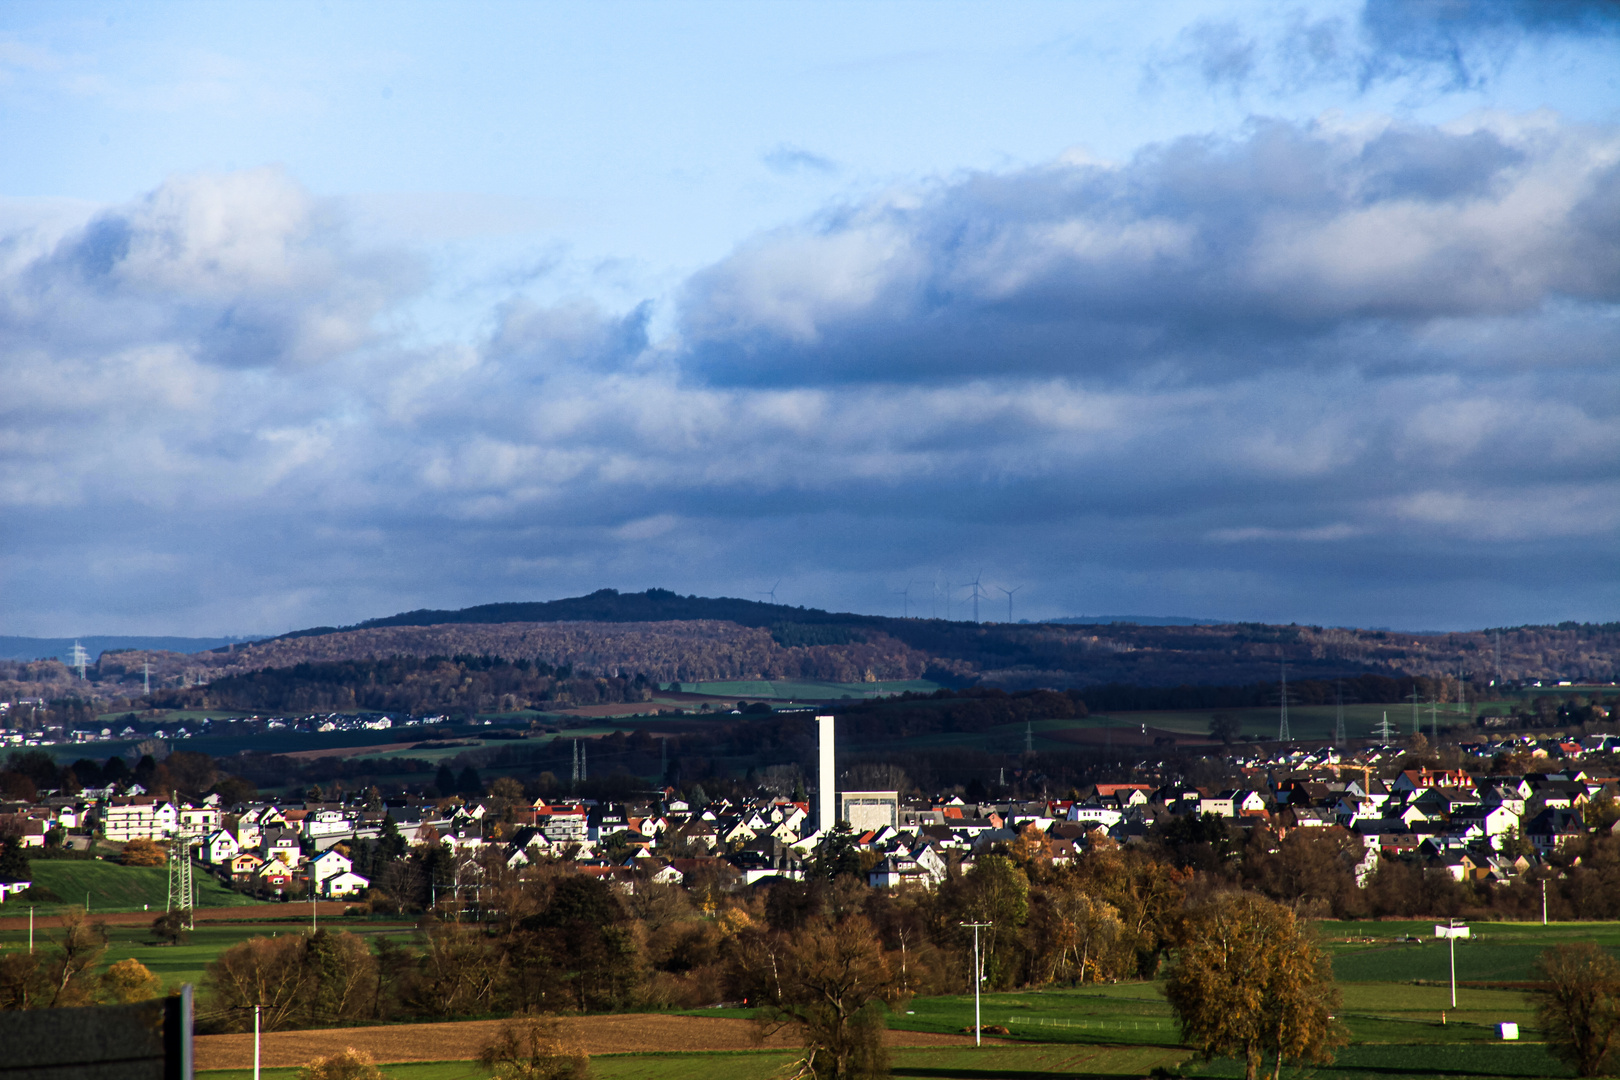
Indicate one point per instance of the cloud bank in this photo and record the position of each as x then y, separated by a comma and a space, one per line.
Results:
1339, 372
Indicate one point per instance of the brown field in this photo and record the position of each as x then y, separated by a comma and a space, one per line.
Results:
353, 751
265, 913
461, 1040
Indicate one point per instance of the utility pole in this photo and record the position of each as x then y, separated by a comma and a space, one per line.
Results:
978, 979
30, 931
1451, 932
255, 1042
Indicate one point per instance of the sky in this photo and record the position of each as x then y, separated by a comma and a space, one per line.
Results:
316, 312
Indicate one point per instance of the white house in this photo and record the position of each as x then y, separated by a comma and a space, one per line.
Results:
198, 820
138, 818
330, 864
284, 850
345, 884
220, 847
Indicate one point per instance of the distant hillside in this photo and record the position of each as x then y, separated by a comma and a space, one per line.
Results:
665, 635
1134, 620
610, 605
33, 648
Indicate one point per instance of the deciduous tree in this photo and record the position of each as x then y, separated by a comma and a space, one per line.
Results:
830, 981
1579, 1008
1249, 983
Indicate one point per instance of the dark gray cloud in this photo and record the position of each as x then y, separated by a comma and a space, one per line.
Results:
1434, 45
1201, 259
1467, 41
1358, 373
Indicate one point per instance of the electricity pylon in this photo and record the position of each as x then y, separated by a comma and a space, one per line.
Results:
1283, 734
180, 886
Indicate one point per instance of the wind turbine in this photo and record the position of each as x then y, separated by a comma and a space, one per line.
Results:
771, 592
906, 594
1009, 593
977, 592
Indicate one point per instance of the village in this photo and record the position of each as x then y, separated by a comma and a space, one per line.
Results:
1474, 822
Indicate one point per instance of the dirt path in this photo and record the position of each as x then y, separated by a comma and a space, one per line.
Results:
254, 913
460, 1041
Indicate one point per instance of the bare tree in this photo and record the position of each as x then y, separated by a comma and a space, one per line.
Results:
1579, 1008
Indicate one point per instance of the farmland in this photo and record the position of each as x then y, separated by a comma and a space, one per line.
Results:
1396, 1009
1117, 1030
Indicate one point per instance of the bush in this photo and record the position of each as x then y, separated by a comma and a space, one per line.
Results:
349, 1064
533, 1047
171, 928
143, 853
129, 981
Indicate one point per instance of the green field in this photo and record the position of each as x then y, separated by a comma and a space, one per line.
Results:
110, 887
1497, 952
808, 689
176, 964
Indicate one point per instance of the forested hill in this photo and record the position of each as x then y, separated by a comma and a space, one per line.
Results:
666, 636
613, 606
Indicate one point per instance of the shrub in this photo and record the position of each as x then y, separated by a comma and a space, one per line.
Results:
129, 981
348, 1064
143, 853
533, 1047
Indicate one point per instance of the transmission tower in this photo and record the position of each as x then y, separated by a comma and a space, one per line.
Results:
1338, 713
80, 659
1283, 734
1029, 737
180, 887
1385, 731
1417, 723
577, 762
146, 679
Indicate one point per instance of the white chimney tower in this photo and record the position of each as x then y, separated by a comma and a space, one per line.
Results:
826, 776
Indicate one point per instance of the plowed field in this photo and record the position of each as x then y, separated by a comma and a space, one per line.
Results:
460, 1041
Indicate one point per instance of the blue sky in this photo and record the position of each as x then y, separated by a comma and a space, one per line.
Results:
316, 312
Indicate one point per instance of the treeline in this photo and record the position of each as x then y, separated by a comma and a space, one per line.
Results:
557, 940
25, 773
460, 685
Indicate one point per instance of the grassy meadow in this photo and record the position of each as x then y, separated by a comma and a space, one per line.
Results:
110, 887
